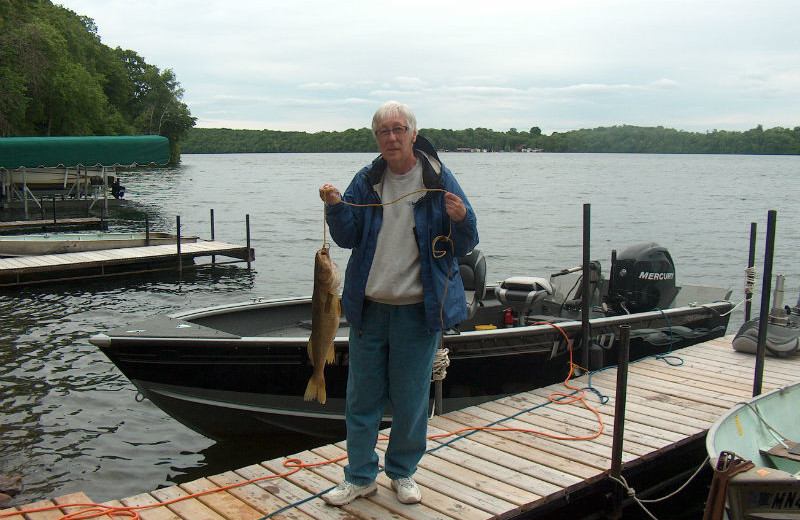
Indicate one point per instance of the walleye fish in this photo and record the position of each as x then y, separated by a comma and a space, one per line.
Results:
325, 312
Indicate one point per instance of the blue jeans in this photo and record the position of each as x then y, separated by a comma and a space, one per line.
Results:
390, 360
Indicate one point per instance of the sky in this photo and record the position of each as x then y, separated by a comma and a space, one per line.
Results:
326, 65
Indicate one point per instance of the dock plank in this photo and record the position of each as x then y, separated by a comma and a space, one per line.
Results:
222, 502
187, 509
641, 426
451, 489
160, 512
639, 444
385, 498
51, 514
8, 512
257, 497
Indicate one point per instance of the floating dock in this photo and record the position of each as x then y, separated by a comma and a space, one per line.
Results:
506, 472
23, 270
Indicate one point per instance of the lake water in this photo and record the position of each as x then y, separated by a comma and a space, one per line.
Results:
68, 419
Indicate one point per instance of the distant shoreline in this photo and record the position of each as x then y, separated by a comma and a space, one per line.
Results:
615, 139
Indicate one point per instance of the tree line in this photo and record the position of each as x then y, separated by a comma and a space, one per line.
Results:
58, 79
614, 139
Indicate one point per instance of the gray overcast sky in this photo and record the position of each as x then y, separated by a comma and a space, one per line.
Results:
559, 64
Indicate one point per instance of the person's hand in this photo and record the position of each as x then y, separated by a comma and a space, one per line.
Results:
455, 207
329, 194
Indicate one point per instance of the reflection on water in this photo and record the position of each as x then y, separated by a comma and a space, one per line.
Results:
68, 419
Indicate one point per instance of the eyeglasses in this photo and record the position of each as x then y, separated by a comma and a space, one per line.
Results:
397, 131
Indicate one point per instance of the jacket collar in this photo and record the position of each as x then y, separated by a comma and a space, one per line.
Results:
431, 165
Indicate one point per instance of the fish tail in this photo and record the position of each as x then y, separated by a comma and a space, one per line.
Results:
316, 391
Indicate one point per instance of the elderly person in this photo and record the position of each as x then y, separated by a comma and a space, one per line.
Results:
399, 294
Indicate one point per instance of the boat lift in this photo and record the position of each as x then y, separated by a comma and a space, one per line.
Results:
76, 167
81, 182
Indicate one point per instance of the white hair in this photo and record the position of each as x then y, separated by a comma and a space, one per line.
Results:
392, 109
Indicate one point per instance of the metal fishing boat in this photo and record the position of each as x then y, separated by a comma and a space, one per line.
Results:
764, 431
241, 370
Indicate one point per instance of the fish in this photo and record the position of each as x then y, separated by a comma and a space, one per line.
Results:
326, 308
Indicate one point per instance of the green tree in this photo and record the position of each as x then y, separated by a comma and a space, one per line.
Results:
57, 78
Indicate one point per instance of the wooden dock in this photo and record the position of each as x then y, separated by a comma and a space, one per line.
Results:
24, 270
483, 474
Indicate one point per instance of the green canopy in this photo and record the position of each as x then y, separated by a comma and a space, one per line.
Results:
122, 150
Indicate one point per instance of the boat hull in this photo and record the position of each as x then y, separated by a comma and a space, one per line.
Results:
770, 489
241, 370
48, 244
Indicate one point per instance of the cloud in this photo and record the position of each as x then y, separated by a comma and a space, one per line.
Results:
465, 64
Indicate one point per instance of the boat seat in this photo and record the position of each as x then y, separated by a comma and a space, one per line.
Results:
473, 274
778, 451
523, 292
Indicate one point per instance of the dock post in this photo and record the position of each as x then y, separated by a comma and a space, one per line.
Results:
178, 243
146, 230
766, 288
25, 190
249, 256
619, 416
751, 262
213, 257
54, 210
41, 205
587, 276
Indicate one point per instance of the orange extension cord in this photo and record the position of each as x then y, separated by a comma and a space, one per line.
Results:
92, 510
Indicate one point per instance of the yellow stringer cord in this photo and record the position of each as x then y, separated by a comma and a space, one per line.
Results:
436, 254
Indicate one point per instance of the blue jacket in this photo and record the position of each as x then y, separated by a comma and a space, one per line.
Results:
357, 228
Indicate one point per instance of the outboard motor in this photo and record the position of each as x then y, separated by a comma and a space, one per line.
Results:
642, 279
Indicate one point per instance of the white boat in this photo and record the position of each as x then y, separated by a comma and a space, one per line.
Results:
56, 243
758, 443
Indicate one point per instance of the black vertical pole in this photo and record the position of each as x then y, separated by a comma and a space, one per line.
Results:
587, 276
146, 230
212, 223
619, 413
54, 209
178, 241
751, 262
213, 257
766, 288
41, 205
249, 256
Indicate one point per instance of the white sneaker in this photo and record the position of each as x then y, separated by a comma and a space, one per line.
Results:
407, 490
346, 492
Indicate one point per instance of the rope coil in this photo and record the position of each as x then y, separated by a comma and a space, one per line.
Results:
440, 363
749, 282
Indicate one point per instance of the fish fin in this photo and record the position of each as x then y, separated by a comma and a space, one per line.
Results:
310, 352
315, 391
331, 356
339, 302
